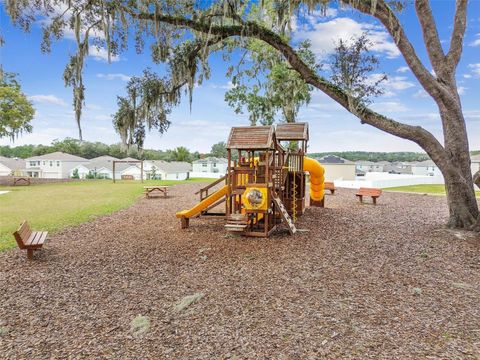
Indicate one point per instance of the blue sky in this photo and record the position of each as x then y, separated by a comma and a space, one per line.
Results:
331, 127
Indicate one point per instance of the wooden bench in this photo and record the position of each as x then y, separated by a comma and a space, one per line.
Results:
156, 190
330, 186
29, 240
372, 192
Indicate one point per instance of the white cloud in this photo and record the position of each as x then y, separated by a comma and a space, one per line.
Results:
392, 84
227, 86
421, 94
118, 76
389, 107
47, 99
475, 68
325, 35
398, 83
472, 115
461, 90
403, 69
467, 76
101, 54
475, 42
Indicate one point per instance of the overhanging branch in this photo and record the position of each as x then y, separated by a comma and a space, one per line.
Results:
416, 134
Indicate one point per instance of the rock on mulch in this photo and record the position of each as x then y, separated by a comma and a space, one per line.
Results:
359, 281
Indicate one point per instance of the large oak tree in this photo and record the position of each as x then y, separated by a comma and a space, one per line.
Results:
183, 34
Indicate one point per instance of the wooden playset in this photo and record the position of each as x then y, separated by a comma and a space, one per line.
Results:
265, 185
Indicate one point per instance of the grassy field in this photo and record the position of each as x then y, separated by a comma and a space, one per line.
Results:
424, 189
52, 207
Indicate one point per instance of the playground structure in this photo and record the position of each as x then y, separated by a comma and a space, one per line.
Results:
265, 186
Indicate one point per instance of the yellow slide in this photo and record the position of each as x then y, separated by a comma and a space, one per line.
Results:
212, 198
317, 178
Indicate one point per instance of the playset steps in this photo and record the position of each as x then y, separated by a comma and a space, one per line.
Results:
286, 218
236, 223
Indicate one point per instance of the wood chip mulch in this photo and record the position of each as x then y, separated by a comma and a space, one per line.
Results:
359, 281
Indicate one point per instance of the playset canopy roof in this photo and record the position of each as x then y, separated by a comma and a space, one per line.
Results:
251, 138
292, 131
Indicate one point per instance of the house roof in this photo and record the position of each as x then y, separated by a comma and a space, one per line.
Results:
397, 170
106, 163
383, 162
364, 162
424, 163
104, 157
13, 163
292, 131
171, 167
333, 159
58, 155
251, 137
211, 159
128, 159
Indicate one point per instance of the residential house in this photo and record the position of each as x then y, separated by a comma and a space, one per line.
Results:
426, 167
11, 166
164, 170
397, 169
210, 167
337, 168
56, 165
364, 166
101, 167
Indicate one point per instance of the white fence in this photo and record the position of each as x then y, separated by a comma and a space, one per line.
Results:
385, 180
211, 175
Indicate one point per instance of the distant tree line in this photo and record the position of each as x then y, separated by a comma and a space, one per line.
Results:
89, 150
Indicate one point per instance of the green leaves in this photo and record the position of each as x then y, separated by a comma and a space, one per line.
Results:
269, 86
149, 99
16, 111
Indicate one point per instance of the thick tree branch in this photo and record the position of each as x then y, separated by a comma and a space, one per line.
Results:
250, 29
459, 27
430, 36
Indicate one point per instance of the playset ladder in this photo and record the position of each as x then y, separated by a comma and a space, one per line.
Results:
286, 218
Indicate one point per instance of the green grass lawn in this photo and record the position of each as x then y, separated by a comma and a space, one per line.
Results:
424, 189
52, 207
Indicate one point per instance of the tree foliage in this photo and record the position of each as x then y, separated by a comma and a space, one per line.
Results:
219, 150
181, 153
352, 66
144, 107
269, 85
16, 111
90, 150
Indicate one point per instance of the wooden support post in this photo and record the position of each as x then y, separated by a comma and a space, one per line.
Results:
30, 254
114, 172
317, 203
185, 222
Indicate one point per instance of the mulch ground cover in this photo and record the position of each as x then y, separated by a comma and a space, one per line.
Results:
359, 281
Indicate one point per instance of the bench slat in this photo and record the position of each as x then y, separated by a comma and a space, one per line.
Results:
36, 239
31, 240
24, 230
41, 239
